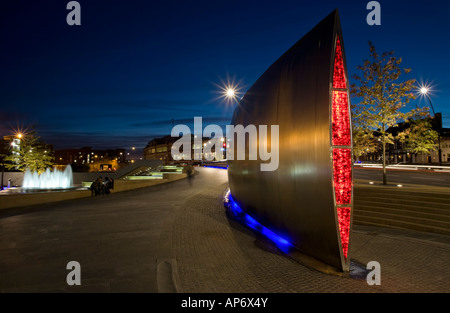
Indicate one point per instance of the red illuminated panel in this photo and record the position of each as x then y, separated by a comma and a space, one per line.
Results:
342, 157
344, 228
340, 119
339, 73
342, 170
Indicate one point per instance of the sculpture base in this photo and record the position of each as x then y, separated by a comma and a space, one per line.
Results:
270, 241
315, 264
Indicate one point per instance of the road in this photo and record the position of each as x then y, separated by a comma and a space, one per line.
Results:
419, 177
114, 238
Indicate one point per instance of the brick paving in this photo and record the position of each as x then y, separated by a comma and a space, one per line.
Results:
218, 255
138, 241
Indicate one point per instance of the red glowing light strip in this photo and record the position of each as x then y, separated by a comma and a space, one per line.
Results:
339, 73
344, 228
342, 157
342, 172
341, 119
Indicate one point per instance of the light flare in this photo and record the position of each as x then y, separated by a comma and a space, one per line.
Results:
230, 91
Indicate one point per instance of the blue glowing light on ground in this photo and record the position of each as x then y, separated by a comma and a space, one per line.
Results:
281, 243
219, 167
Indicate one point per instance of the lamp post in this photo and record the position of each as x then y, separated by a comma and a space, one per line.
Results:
424, 91
230, 91
3, 171
231, 94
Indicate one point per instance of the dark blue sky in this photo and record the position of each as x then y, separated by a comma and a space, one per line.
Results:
132, 66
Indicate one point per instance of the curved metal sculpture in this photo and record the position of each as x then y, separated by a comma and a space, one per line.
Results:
308, 199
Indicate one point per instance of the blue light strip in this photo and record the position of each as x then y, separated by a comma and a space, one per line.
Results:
219, 167
282, 244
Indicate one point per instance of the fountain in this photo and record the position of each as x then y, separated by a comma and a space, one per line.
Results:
49, 180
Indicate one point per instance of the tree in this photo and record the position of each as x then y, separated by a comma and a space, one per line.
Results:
31, 154
364, 142
383, 96
419, 137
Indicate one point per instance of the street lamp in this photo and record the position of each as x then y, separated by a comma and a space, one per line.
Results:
3, 171
425, 92
230, 91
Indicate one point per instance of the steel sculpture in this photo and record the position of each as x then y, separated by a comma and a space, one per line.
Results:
308, 200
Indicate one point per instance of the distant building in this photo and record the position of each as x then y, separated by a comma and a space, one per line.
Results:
398, 153
445, 148
160, 149
10, 144
87, 159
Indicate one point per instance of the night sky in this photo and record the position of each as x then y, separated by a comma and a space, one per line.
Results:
120, 78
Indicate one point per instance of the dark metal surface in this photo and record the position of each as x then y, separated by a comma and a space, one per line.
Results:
297, 200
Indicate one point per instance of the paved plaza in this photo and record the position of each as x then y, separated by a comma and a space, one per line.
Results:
177, 237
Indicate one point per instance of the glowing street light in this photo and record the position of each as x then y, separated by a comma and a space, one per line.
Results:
425, 91
230, 91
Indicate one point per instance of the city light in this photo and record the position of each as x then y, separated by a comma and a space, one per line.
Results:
424, 90
230, 91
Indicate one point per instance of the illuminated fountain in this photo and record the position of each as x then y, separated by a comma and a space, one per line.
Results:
49, 179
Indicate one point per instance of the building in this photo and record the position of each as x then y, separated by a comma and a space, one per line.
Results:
445, 148
11, 144
161, 149
398, 153
87, 159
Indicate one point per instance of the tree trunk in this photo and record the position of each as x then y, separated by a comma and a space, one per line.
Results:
384, 160
3, 171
